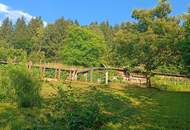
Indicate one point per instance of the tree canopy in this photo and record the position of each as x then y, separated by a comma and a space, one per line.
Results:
154, 40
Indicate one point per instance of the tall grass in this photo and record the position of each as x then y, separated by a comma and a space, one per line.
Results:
19, 85
6, 91
26, 85
171, 84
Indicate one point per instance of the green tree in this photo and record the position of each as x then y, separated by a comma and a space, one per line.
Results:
108, 34
185, 44
6, 33
21, 37
12, 55
155, 40
36, 33
54, 37
83, 47
125, 42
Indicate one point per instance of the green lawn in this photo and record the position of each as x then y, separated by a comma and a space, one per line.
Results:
127, 108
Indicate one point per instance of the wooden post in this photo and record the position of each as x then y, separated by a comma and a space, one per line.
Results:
73, 75
91, 75
70, 75
55, 74
86, 76
30, 65
44, 72
41, 72
59, 74
43, 69
107, 78
76, 75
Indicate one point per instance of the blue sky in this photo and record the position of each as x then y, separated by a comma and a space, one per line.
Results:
85, 11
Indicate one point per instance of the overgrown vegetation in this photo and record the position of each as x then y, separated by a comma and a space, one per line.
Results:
156, 39
77, 111
21, 86
155, 42
113, 108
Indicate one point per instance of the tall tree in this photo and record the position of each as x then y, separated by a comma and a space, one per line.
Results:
21, 37
83, 47
185, 45
108, 33
36, 33
6, 33
54, 37
156, 39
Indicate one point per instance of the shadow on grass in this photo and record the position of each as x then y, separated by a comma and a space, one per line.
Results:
129, 108
145, 109
13, 118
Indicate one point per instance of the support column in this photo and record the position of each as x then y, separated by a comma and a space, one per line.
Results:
107, 77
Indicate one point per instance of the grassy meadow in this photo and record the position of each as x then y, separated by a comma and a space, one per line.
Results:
122, 108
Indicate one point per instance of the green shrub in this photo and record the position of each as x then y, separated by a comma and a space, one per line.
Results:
78, 112
6, 90
171, 83
12, 55
26, 86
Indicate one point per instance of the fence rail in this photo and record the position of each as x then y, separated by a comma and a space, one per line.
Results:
73, 72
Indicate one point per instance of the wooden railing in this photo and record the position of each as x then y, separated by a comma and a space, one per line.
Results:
74, 71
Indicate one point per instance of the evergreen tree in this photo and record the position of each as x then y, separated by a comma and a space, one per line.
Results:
6, 33
21, 37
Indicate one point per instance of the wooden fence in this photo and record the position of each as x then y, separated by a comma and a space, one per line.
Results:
74, 71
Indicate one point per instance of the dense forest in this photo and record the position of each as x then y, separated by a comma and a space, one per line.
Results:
155, 41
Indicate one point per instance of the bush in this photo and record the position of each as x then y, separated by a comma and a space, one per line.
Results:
6, 90
78, 112
26, 86
12, 55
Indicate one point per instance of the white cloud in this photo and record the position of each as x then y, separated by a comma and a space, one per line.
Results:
3, 8
6, 11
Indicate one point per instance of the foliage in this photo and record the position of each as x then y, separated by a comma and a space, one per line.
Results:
54, 37
6, 33
79, 112
12, 55
185, 44
126, 108
171, 83
83, 47
26, 86
153, 42
21, 37
6, 90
